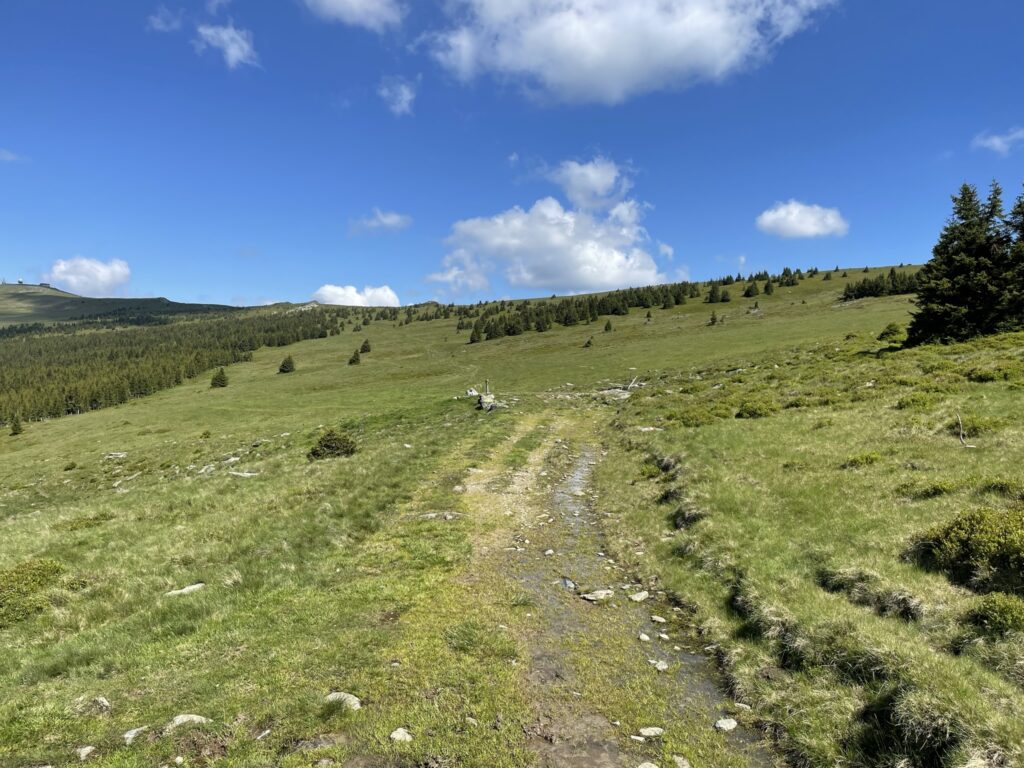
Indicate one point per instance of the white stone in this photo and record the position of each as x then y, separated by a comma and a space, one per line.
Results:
657, 619
639, 597
661, 666
598, 595
185, 590
84, 752
647, 765
651, 732
644, 638
346, 699
743, 707
726, 724
549, 552
134, 733
681, 762
401, 734
181, 720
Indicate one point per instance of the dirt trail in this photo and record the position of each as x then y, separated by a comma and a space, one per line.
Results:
590, 664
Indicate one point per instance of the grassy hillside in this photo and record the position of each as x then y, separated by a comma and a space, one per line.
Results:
427, 573
36, 304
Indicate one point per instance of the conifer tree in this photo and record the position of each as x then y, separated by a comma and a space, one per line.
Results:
715, 294
769, 288
220, 379
287, 365
967, 288
16, 428
714, 318
477, 335
751, 290
366, 347
355, 359
608, 327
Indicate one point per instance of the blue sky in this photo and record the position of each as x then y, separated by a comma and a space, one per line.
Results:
244, 152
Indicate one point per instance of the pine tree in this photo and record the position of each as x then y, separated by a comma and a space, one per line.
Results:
287, 365
715, 294
725, 295
769, 288
1015, 264
16, 428
967, 288
355, 359
366, 347
608, 327
477, 335
751, 290
220, 379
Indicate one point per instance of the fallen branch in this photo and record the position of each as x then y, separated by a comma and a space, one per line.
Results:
963, 435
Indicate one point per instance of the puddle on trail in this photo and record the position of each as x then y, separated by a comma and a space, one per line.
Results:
554, 583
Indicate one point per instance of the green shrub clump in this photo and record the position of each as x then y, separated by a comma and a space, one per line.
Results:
983, 548
287, 365
998, 614
21, 589
332, 444
862, 460
756, 409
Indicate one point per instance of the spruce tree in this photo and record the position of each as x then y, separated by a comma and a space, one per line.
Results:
355, 359
287, 365
608, 327
1015, 264
220, 379
769, 288
16, 428
966, 289
366, 347
477, 335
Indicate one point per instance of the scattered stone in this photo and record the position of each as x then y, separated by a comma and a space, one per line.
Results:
181, 720
84, 752
598, 596
639, 597
95, 706
647, 765
244, 474
639, 739
179, 760
406, 445
472, 721
661, 666
232, 459
115, 456
651, 732
644, 638
726, 724
325, 761
134, 733
401, 734
185, 590
347, 700
663, 636
743, 707
569, 583
549, 552
681, 762
658, 619
263, 735
459, 489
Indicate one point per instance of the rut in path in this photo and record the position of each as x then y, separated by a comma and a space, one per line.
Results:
549, 542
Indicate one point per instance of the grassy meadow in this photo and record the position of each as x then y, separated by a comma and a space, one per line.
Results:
787, 538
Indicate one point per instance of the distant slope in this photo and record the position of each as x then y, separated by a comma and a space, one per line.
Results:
39, 304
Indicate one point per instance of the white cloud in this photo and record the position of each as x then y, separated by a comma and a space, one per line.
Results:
375, 15
796, 219
596, 184
513, 159
552, 248
89, 277
1000, 143
350, 296
609, 50
398, 93
164, 20
382, 221
667, 251
6, 156
235, 44
213, 6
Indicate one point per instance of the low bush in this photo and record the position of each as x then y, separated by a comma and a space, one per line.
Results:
22, 587
862, 460
915, 401
982, 548
756, 409
973, 426
997, 614
332, 444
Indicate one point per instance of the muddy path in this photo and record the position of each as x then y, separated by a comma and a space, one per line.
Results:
610, 679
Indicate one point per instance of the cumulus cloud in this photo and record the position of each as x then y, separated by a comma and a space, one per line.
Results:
796, 219
235, 44
382, 221
350, 296
552, 248
1000, 143
375, 15
164, 20
6, 156
398, 94
608, 51
89, 277
595, 184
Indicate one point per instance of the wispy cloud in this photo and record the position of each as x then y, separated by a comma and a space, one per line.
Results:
381, 221
1000, 143
375, 15
213, 6
165, 20
398, 94
6, 156
235, 44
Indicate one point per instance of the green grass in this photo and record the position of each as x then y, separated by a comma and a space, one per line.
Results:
342, 575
